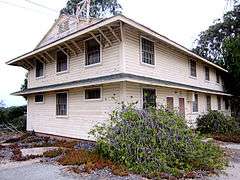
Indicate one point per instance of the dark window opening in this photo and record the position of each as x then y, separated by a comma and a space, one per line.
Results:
61, 104
207, 75
219, 103
208, 103
39, 69
39, 98
170, 102
193, 68
62, 61
195, 103
93, 93
149, 98
92, 52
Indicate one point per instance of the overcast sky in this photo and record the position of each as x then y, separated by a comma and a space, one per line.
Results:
24, 24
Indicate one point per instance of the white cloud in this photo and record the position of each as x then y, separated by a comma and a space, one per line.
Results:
21, 29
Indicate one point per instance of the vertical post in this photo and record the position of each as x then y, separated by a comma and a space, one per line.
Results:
88, 10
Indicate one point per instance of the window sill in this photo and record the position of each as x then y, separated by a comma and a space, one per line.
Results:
39, 103
62, 117
193, 77
41, 77
148, 65
62, 72
92, 65
207, 81
93, 100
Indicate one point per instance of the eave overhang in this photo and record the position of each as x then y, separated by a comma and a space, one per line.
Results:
105, 22
118, 78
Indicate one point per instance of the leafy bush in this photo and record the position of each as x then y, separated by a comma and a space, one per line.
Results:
154, 141
217, 122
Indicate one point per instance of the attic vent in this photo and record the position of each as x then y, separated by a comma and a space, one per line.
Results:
63, 27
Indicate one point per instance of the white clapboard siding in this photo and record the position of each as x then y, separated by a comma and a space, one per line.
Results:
77, 70
171, 65
82, 114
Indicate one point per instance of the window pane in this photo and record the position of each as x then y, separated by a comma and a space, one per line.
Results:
93, 93
39, 69
147, 51
61, 104
149, 98
195, 103
218, 77
207, 74
170, 103
219, 103
208, 103
39, 98
61, 61
92, 52
193, 68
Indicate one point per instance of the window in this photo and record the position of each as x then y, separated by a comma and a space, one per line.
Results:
147, 47
209, 105
94, 93
207, 76
219, 103
195, 103
226, 100
149, 98
61, 104
170, 103
92, 52
39, 69
193, 68
64, 26
182, 106
39, 98
62, 62
217, 76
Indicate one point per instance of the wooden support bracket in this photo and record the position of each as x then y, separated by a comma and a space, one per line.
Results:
114, 34
107, 39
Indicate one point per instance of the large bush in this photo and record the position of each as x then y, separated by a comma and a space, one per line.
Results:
217, 122
154, 141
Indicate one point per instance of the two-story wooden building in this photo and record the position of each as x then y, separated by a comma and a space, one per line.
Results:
82, 70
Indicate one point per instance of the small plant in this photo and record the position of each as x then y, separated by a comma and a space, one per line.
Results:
217, 122
53, 153
155, 141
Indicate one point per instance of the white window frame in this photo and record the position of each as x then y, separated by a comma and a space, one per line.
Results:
189, 68
44, 68
68, 59
42, 102
84, 51
89, 88
61, 116
141, 60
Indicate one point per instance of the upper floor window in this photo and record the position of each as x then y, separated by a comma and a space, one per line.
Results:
39, 69
92, 52
149, 98
193, 68
217, 76
170, 103
219, 103
148, 53
93, 93
207, 75
39, 98
61, 104
208, 97
62, 61
195, 103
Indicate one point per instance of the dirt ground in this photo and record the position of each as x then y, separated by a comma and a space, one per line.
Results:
13, 166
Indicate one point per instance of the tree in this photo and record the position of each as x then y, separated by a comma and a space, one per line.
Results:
231, 55
210, 42
25, 83
99, 8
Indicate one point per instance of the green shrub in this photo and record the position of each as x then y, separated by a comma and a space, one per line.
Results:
217, 122
154, 141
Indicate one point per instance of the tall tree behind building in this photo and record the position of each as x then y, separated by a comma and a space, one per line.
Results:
99, 8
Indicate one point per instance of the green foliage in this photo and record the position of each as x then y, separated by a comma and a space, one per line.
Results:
209, 44
14, 116
25, 83
99, 8
154, 141
217, 122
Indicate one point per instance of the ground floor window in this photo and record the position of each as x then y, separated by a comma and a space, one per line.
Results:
195, 103
149, 98
208, 98
170, 103
219, 103
93, 93
182, 106
226, 103
61, 104
39, 98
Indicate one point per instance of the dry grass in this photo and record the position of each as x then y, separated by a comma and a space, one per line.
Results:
65, 144
53, 153
234, 138
91, 161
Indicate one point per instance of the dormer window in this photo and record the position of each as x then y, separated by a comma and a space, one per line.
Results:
92, 52
193, 68
62, 62
148, 53
39, 69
